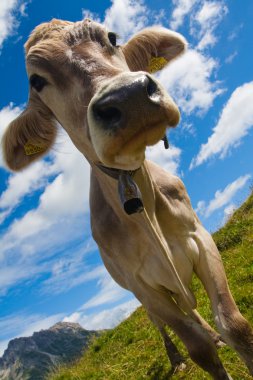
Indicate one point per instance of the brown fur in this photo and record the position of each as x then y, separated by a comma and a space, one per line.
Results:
46, 31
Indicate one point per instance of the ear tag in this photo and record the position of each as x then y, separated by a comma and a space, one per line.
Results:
156, 64
31, 149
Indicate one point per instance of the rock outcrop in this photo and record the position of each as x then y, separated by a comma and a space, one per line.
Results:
33, 357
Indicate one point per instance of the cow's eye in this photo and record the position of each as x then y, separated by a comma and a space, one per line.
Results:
37, 82
112, 38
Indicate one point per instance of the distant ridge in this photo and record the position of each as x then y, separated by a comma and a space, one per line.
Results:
33, 357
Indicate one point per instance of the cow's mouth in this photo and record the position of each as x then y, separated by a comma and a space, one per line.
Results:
125, 150
133, 150
146, 137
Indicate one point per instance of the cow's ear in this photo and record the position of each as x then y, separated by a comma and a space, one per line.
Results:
28, 137
153, 48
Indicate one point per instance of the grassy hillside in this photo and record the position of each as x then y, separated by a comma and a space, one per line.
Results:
134, 349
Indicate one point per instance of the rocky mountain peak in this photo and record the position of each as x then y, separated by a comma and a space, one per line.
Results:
30, 358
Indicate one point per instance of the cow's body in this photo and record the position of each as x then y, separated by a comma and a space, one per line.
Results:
112, 109
131, 254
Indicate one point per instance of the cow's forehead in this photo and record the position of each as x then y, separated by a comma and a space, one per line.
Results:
69, 32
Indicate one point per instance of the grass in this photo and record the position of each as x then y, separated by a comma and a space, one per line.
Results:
134, 349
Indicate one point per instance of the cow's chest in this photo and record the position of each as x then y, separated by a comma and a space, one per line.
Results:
132, 254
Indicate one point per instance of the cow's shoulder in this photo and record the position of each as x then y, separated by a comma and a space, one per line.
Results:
172, 200
168, 184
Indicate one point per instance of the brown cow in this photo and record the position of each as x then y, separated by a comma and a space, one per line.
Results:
149, 237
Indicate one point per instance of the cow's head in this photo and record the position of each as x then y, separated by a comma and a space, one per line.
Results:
101, 93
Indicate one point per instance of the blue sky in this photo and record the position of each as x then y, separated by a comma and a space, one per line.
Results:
50, 267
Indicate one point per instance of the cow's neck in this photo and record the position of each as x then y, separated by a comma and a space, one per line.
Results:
108, 181
147, 219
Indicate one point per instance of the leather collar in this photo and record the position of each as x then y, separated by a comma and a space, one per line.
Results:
129, 193
115, 173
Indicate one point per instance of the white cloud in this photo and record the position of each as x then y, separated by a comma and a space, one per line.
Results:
206, 20
8, 21
22, 8
208, 39
86, 13
34, 255
13, 273
3, 345
235, 32
235, 121
23, 183
158, 17
109, 292
209, 11
105, 319
187, 128
70, 271
126, 17
7, 114
231, 57
4, 215
169, 159
188, 80
222, 197
183, 7
200, 209
66, 195
59, 218
42, 323
62, 260
228, 211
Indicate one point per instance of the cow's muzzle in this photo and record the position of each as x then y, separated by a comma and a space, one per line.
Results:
112, 109
129, 112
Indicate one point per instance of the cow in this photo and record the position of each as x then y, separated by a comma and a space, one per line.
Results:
150, 239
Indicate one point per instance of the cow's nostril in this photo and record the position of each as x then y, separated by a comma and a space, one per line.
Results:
151, 87
109, 115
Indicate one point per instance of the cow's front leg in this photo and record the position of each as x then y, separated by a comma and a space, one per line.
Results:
198, 342
176, 359
214, 335
233, 327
